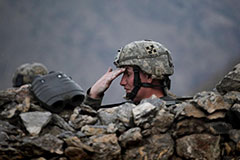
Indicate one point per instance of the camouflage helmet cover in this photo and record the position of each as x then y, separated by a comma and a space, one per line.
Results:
25, 73
152, 57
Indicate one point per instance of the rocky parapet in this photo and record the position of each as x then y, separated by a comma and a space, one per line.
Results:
204, 127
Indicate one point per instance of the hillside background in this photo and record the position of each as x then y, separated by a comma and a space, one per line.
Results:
81, 38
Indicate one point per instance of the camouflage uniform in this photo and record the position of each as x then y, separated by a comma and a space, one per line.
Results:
151, 57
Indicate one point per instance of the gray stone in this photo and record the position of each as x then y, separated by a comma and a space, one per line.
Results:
7, 95
35, 121
6, 127
87, 110
52, 129
59, 121
231, 82
66, 134
189, 126
232, 97
82, 120
3, 137
13, 109
76, 153
105, 147
211, 101
162, 121
76, 142
154, 101
90, 130
130, 137
234, 115
190, 110
217, 115
177, 110
198, 146
9, 110
234, 135
47, 143
35, 107
218, 128
143, 113
159, 146
121, 116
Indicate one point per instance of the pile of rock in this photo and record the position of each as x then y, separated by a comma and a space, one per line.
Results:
204, 127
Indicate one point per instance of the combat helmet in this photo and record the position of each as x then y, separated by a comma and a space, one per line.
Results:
151, 57
25, 73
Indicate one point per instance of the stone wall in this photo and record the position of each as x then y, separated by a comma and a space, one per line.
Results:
204, 127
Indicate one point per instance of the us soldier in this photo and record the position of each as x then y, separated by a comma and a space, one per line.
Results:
27, 72
146, 66
54, 90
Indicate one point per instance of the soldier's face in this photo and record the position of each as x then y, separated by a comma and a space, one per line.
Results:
127, 82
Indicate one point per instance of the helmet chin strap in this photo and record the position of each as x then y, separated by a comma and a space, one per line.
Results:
138, 84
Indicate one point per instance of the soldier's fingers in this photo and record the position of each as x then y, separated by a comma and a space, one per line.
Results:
117, 72
109, 69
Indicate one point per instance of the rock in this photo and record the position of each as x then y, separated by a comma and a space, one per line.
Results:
155, 101
7, 95
66, 134
211, 101
35, 121
76, 142
36, 107
216, 115
105, 147
159, 146
234, 135
82, 120
75, 153
10, 153
143, 113
9, 111
15, 94
232, 97
234, 115
121, 116
231, 82
59, 121
190, 110
53, 130
205, 127
130, 137
47, 143
86, 110
218, 128
13, 109
189, 126
90, 130
162, 121
198, 146
8, 128
25, 105
3, 138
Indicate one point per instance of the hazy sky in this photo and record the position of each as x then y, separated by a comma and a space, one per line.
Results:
82, 37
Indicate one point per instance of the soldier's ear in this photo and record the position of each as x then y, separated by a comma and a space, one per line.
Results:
149, 77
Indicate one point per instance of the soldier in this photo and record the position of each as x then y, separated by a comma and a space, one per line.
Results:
27, 72
146, 66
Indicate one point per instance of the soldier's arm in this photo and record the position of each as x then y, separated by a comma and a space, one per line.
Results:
96, 92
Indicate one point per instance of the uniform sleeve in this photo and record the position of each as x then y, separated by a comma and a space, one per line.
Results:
92, 102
